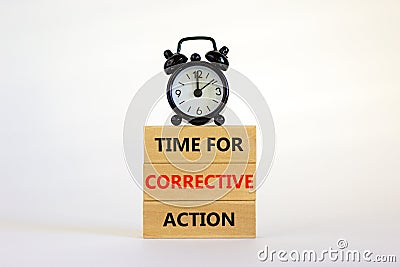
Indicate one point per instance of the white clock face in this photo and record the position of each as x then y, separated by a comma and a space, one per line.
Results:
197, 91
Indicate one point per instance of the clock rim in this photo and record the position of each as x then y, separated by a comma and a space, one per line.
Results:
194, 119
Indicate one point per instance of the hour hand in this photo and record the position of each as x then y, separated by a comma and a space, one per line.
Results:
206, 84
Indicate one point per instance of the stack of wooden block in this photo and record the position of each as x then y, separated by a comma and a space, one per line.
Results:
199, 182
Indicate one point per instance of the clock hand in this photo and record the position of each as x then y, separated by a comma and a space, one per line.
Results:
207, 84
197, 92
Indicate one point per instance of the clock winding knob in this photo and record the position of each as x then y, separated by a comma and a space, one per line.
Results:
224, 50
195, 57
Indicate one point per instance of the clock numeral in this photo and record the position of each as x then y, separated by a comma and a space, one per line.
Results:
197, 74
218, 91
178, 92
199, 111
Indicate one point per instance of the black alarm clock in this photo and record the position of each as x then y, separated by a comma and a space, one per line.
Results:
197, 91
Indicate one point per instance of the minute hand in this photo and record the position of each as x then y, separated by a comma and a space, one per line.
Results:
206, 84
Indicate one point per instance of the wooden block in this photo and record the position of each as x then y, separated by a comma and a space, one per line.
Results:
198, 182
200, 144
220, 219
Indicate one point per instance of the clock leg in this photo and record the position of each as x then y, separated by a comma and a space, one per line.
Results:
219, 120
176, 120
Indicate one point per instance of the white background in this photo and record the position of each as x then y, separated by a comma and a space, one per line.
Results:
330, 71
